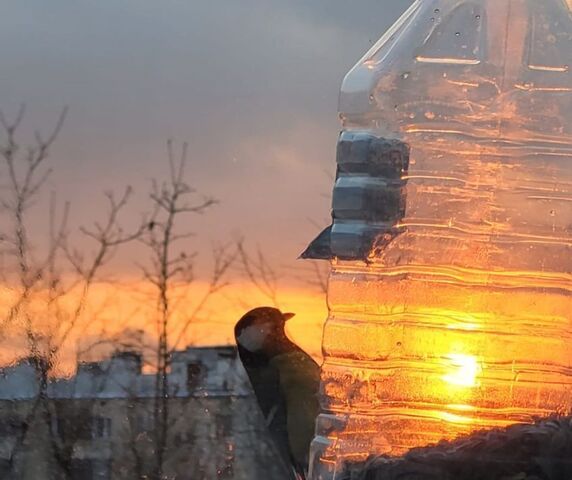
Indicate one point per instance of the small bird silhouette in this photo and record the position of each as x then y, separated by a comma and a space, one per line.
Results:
285, 380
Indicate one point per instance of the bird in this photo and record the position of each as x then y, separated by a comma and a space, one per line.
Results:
285, 380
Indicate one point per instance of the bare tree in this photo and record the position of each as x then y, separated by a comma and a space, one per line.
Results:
51, 283
259, 272
265, 278
171, 272
46, 278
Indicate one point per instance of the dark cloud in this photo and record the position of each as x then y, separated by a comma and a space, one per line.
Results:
251, 84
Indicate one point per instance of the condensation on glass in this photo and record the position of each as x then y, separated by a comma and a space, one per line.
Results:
450, 286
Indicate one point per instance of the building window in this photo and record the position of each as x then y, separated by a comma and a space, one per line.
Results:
89, 428
144, 422
195, 373
101, 427
82, 470
90, 469
59, 427
223, 425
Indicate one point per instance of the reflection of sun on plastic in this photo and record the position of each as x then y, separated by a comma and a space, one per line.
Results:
452, 418
463, 370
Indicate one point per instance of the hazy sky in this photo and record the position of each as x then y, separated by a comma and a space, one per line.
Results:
252, 85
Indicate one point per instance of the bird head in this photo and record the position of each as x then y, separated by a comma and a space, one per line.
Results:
261, 329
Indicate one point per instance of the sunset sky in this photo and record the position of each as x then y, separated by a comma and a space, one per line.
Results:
252, 85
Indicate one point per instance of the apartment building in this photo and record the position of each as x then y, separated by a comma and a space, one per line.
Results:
99, 423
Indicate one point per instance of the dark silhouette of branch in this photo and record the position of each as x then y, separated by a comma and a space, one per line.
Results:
46, 279
258, 271
224, 258
170, 271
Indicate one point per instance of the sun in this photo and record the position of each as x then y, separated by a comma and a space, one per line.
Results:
462, 370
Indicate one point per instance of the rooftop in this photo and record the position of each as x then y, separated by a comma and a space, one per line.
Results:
195, 371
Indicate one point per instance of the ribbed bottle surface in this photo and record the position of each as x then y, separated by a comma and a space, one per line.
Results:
457, 318
459, 323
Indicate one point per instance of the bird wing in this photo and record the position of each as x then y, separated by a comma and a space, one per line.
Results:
299, 377
265, 380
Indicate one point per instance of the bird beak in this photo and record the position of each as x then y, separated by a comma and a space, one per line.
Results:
288, 316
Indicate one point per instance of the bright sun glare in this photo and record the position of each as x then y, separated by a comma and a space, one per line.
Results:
463, 370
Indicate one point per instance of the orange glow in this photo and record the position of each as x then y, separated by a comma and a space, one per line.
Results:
460, 349
130, 306
463, 370
453, 418
459, 320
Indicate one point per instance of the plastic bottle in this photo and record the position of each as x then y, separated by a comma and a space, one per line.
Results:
449, 295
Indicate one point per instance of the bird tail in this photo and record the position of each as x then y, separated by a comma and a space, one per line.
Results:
299, 473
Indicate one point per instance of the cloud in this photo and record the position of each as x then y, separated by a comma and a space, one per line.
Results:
251, 84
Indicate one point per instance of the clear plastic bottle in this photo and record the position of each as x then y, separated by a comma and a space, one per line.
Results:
449, 295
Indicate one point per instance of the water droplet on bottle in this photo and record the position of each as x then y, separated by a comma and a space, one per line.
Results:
399, 344
429, 115
478, 17
432, 19
437, 10
405, 76
371, 98
457, 34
